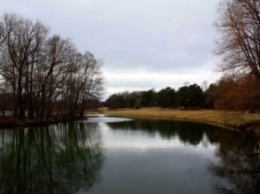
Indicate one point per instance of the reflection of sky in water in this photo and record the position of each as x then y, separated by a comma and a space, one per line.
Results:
127, 139
119, 155
154, 157
99, 118
143, 161
142, 140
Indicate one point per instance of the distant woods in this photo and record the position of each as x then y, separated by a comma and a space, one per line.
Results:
44, 76
186, 97
229, 93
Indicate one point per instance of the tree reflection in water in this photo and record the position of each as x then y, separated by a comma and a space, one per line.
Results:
238, 155
189, 133
60, 158
240, 164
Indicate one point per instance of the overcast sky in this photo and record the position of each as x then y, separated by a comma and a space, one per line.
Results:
144, 44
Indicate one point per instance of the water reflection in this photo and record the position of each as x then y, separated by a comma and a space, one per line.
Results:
142, 156
237, 161
54, 159
188, 133
240, 164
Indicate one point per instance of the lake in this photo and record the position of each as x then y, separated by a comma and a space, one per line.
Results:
108, 155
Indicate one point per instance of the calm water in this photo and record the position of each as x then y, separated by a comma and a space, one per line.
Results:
104, 155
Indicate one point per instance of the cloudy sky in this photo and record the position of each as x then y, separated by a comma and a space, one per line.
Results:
144, 44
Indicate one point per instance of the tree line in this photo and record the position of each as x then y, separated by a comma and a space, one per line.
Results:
42, 75
186, 97
229, 93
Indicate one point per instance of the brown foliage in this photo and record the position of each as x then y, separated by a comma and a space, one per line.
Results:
242, 93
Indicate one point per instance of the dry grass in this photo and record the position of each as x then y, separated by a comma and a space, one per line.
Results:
225, 118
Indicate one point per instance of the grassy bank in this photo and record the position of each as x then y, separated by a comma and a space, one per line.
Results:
244, 122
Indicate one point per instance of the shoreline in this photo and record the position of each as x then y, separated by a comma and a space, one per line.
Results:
9, 122
247, 123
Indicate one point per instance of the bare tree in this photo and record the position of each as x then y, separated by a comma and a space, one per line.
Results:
84, 82
239, 41
54, 72
22, 45
44, 76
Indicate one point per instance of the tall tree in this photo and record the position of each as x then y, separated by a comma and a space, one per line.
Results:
239, 42
210, 96
190, 96
166, 97
21, 46
148, 98
57, 54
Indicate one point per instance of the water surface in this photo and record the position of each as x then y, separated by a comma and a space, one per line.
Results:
125, 156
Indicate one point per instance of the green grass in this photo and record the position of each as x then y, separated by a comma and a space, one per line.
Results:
237, 120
